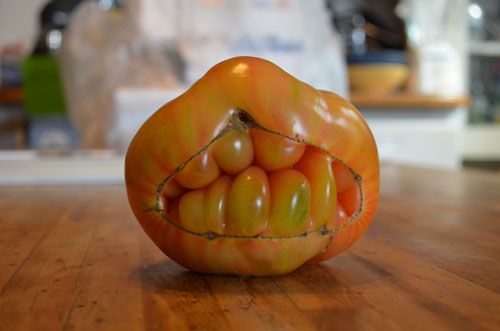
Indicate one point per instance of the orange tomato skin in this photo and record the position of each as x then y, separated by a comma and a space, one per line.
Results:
280, 103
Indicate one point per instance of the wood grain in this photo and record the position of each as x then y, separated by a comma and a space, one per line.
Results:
74, 258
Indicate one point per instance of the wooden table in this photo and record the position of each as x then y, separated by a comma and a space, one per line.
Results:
75, 258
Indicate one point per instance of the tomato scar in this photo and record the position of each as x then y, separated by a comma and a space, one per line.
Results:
349, 189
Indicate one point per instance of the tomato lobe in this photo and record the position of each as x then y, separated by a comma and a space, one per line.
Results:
172, 189
199, 172
347, 189
192, 211
216, 202
234, 151
316, 165
274, 152
290, 202
249, 202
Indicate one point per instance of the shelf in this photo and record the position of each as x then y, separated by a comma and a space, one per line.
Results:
407, 100
485, 48
12, 96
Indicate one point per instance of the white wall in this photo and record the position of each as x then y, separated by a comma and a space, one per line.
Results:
19, 21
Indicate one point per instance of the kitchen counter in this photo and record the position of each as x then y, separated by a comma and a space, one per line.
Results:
74, 258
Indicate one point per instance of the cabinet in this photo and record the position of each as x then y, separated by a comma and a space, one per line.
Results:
418, 130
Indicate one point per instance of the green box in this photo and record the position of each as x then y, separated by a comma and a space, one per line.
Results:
43, 92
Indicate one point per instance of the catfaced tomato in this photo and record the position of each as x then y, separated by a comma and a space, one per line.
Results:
253, 172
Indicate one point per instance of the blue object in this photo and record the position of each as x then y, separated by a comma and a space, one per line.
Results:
52, 132
382, 56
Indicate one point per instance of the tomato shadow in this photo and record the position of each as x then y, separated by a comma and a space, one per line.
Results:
168, 277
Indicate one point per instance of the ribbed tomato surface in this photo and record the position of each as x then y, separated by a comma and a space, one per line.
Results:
253, 172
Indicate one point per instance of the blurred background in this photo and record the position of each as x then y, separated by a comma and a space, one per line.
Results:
79, 77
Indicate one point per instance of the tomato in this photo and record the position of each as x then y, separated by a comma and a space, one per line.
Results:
253, 172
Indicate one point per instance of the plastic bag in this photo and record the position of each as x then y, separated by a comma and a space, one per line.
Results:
101, 52
296, 35
170, 44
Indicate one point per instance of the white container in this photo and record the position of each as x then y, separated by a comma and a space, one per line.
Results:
131, 108
440, 70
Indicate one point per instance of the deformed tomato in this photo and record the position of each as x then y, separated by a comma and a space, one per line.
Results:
253, 172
